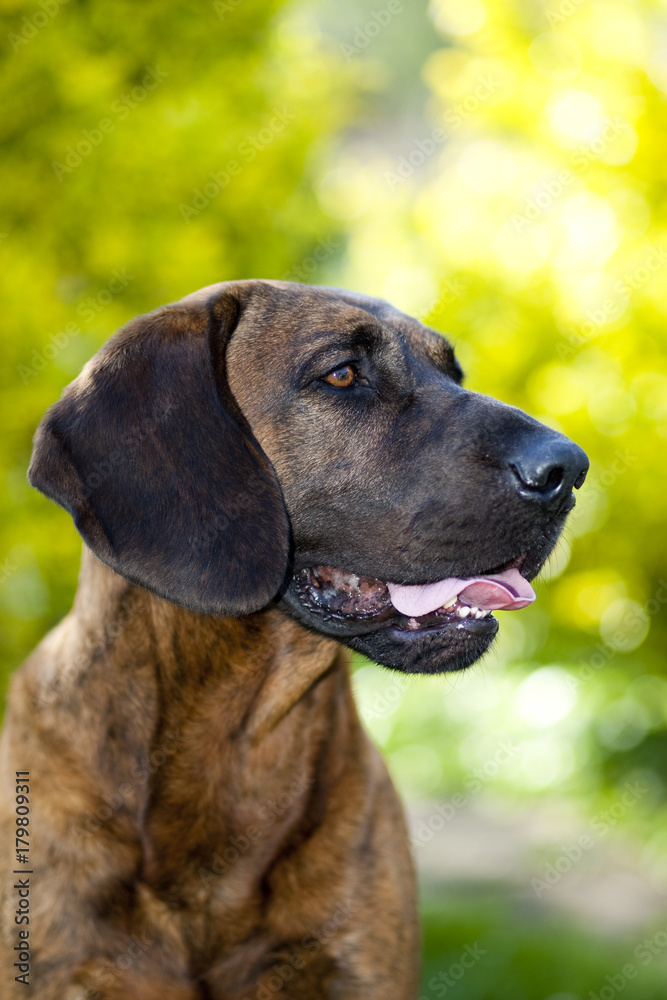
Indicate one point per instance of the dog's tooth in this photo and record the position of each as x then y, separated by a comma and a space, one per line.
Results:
473, 611
480, 614
450, 604
463, 611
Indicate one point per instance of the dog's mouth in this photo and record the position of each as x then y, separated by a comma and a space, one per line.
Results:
365, 603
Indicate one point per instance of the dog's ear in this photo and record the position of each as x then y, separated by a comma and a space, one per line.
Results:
149, 452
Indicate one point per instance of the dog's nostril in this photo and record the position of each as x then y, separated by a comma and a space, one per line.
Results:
554, 479
547, 469
581, 478
539, 480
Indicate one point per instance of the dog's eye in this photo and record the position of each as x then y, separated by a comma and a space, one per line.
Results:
342, 378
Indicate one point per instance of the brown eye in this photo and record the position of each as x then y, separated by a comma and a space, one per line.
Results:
341, 377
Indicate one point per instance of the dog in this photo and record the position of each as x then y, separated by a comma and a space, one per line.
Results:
262, 473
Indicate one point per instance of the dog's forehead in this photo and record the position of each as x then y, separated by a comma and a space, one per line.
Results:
291, 319
420, 339
297, 315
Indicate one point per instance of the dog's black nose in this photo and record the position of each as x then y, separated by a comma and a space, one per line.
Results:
546, 468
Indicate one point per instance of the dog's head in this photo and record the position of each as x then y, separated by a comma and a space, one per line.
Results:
263, 442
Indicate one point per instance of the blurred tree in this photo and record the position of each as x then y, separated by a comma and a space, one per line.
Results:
525, 216
147, 151
497, 169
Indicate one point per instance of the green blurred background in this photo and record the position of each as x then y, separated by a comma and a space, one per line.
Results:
498, 169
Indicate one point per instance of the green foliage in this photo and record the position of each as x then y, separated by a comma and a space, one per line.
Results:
115, 118
522, 212
512, 952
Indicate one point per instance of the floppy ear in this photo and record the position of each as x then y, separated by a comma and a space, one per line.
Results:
149, 452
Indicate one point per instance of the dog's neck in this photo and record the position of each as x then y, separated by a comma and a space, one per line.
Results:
200, 716
269, 655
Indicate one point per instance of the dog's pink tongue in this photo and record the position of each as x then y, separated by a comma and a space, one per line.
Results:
506, 591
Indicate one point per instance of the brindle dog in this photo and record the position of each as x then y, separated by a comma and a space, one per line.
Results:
260, 472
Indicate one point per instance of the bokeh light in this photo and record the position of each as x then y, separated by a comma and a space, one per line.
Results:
496, 168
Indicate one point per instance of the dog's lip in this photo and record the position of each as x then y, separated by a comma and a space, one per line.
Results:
411, 629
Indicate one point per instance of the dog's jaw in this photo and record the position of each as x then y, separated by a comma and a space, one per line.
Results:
359, 613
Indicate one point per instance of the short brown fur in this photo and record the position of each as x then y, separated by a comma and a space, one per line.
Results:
233, 714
